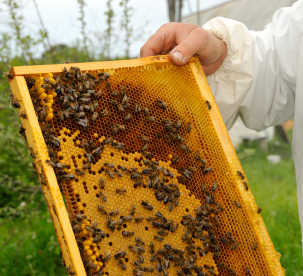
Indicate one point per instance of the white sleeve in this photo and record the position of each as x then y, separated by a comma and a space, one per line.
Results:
257, 79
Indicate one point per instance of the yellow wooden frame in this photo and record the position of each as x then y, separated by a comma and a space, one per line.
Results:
51, 190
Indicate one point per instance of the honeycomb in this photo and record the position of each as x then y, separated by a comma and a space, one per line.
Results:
151, 182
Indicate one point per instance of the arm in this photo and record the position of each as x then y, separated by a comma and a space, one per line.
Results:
258, 76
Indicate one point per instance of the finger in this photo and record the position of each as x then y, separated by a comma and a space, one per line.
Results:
159, 43
195, 43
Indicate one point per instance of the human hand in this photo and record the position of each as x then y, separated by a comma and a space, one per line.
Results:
182, 41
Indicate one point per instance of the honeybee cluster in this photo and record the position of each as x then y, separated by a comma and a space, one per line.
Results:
74, 96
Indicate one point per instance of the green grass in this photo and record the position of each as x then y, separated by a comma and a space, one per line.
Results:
29, 246
274, 189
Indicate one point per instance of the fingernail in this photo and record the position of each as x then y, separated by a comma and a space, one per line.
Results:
178, 55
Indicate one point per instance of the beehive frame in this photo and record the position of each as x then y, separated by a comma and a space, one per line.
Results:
269, 257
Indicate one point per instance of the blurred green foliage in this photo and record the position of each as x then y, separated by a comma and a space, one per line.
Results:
274, 189
28, 244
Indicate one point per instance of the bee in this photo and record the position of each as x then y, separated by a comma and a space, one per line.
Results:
223, 265
174, 228
89, 155
188, 127
127, 233
127, 218
146, 205
103, 197
119, 146
101, 184
245, 185
114, 213
238, 204
120, 107
184, 148
91, 107
158, 238
116, 93
128, 117
215, 186
138, 183
117, 172
86, 166
113, 102
84, 143
167, 139
259, 210
240, 174
208, 170
136, 175
51, 163
235, 246
121, 191
120, 254
42, 179
208, 105
120, 127
232, 272
8, 75
109, 85
162, 104
133, 210
125, 101
69, 270
96, 105
109, 173
255, 246
162, 232
67, 177
150, 119
137, 108
110, 165
145, 110
108, 140
95, 116
102, 210
14, 101
148, 269
106, 258
121, 264
247, 270
158, 136
144, 138
139, 219
104, 113
23, 115
114, 128
62, 166
98, 94
67, 113
98, 151
175, 159
32, 152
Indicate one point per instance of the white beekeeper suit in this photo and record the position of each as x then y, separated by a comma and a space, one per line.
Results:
261, 78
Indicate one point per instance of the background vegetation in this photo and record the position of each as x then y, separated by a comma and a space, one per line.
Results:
28, 244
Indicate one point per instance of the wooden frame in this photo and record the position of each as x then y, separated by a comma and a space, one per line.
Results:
51, 189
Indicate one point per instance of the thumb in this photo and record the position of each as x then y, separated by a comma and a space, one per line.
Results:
194, 43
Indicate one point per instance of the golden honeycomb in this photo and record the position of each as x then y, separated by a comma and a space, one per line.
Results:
232, 239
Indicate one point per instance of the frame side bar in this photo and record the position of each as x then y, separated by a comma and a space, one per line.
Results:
51, 189
250, 206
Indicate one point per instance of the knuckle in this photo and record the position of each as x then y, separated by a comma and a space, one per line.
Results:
200, 32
